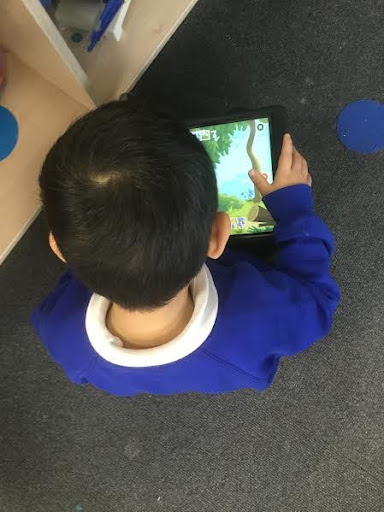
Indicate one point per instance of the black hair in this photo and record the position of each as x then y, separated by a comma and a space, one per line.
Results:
130, 198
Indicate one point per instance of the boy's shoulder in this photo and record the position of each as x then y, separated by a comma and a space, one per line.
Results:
245, 283
59, 321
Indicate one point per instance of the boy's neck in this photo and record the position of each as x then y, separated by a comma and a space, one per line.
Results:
146, 329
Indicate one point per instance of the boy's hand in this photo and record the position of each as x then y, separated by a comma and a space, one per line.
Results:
292, 170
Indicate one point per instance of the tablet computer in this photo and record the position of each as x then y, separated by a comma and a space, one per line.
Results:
237, 143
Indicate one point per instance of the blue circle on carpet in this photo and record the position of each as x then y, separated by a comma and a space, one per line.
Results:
360, 126
9, 132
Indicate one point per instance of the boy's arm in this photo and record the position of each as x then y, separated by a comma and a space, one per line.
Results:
305, 245
309, 295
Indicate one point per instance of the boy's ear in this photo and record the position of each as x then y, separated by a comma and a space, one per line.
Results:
221, 228
55, 249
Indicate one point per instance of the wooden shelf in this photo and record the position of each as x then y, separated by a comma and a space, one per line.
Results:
114, 67
43, 112
28, 32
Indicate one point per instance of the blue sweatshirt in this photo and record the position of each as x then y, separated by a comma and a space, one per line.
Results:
247, 316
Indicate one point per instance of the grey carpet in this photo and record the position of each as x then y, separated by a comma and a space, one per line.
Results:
314, 441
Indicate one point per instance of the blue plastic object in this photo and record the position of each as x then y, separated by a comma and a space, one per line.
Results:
9, 132
110, 10
360, 126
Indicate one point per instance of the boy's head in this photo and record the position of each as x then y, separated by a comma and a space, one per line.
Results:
131, 202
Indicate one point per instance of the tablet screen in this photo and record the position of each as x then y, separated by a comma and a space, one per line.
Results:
235, 148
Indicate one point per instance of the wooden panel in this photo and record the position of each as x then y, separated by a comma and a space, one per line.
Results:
27, 31
113, 67
43, 112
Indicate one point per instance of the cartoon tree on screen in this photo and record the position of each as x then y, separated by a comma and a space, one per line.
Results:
220, 145
257, 213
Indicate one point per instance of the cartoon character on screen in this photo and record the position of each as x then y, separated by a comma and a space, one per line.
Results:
240, 222
237, 222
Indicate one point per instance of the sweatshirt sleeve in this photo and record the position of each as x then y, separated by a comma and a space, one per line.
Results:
309, 294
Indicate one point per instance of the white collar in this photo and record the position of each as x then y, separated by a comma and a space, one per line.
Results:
195, 333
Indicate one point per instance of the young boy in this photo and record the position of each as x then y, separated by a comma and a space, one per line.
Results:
131, 201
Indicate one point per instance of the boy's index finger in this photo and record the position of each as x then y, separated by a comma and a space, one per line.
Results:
297, 160
285, 160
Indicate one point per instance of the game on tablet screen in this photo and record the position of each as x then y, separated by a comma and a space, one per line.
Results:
235, 148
